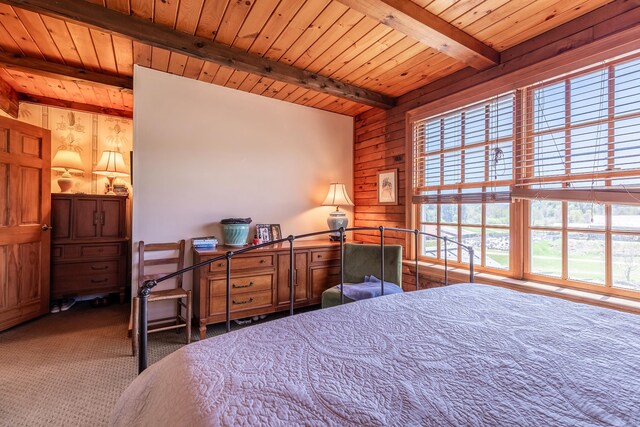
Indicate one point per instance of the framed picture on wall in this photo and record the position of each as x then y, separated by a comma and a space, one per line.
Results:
388, 187
264, 232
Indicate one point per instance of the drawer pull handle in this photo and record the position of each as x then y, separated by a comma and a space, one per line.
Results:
99, 281
242, 286
250, 300
106, 267
262, 261
220, 265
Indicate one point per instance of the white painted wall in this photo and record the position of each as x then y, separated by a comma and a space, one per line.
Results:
204, 152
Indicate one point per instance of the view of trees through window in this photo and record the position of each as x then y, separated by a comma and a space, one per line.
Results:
582, 132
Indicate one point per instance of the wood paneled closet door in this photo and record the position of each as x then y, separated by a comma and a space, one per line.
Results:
25, 215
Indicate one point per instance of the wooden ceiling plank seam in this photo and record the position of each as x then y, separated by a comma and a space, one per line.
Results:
19, 81
337, 32
391, 80
262, 85
177, 62
211, 18
458, 9
141, 54
115, 98
407, 62
8, 99
104, 48
7, 42
538, 23
123, 51
35, 26
208, 72
143, 9
438, 6
18, 32
160, 59
188, 17
315, 98
481, 11
56, 88
88, 94
232, 20
299, 95
587, 20
72, 105
284, 13
368, 59
193, 68
73, 91
352, 50
253, 25
436, 71
29, 83
166, 13
285, 91
502, 16
273, 89
84, 45
127, 101
249, 82
223, 75
317, 29
236, 79
102, 96
417, 22
301, 22
60, 35
409, 51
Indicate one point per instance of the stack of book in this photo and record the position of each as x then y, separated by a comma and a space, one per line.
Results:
206, 242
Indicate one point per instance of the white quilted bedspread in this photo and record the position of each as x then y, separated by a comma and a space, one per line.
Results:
460, 355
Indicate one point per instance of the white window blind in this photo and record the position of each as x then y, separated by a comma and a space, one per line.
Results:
465, 155
582, 134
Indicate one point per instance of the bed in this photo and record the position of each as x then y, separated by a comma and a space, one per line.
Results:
465, 354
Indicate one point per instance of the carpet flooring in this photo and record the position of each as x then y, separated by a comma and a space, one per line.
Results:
69, 368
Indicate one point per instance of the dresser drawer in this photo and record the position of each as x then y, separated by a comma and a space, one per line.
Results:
61, 271
100, 250
325, 255
77, 285
243, 262
241, 285
245, 301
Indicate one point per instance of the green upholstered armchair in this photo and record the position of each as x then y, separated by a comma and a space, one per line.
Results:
363, 260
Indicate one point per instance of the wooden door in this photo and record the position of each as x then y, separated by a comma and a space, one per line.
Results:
86, 218
25, 214
299, 278
111, 211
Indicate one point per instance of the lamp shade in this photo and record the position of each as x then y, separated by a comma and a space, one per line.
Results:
337, 196
67, 160
111, 164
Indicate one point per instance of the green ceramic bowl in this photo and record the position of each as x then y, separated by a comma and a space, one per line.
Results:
235, 234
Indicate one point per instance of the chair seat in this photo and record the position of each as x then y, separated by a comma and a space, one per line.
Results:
331, 297
167, 294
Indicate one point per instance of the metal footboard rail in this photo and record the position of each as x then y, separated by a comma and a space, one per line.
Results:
145, 289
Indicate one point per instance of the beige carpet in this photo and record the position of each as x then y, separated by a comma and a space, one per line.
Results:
69, 368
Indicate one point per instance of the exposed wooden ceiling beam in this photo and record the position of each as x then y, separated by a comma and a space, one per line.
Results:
63, 72
8, 99
90, 108
147, 32
422, 25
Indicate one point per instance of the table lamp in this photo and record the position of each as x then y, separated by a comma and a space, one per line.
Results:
337, 197
112, 166
66, 161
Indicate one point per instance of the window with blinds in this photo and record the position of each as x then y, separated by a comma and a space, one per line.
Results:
465, 155
582, 134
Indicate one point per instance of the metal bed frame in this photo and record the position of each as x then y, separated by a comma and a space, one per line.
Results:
145, 289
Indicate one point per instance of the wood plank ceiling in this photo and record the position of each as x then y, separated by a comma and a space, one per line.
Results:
321, 36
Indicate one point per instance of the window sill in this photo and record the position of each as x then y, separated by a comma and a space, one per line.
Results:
460, 275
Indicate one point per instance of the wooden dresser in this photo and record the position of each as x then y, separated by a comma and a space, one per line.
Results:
89, 247
260, 279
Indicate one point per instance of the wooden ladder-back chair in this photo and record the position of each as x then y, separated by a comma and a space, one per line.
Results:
159, 268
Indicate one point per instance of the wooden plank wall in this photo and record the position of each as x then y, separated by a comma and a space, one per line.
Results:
379, 136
